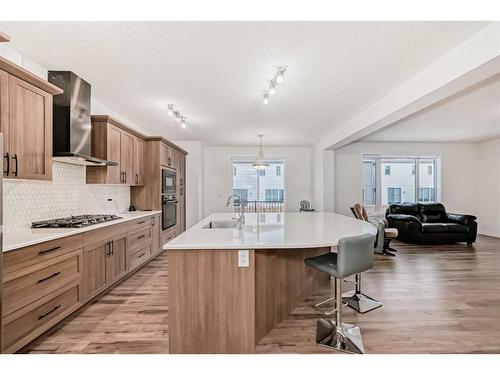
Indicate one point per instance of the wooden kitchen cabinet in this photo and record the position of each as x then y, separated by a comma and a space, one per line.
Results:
94, 269
127, 157
116, 266
112, 140
26, 122
155, 234
167, 156
138, 161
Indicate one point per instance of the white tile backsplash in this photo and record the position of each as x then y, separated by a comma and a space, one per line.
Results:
67, 194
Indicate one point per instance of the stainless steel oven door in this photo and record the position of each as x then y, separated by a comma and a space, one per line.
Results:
168, 181
169, 213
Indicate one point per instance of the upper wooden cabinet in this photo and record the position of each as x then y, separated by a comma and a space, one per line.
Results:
111, 140
26, 122
139, 161
168, 156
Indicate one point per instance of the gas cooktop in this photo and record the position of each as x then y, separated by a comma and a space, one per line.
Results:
74, 221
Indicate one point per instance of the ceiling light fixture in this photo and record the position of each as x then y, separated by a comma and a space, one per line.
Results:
272, 87
278, 78
280, 75
261, 163
179, 117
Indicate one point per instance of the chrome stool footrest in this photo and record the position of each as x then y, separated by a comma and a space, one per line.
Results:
346, 338
361, 302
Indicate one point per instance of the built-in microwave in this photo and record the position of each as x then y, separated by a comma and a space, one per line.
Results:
168, 181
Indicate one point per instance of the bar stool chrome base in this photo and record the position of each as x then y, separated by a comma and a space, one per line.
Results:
361, 302
347, 338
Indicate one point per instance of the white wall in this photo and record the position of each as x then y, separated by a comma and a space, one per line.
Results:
194, 181
218, 174
488, 187
458, 169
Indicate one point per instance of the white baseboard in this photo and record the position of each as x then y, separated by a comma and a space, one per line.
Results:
489, 234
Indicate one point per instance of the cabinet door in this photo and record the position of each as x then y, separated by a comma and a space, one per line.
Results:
113, 154
30, 127
117, 264
4, 116
95, 259
138, 161
127, 156
156, 235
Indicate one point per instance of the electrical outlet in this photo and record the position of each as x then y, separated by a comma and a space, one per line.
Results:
243, 258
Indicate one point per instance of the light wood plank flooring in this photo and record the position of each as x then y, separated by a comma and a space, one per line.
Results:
437, 299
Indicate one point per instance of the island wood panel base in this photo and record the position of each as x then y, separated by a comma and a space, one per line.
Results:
217, 307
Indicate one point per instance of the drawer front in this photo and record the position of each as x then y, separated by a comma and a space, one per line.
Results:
139, 224
30, 284
30, 255
104, 234
139, 257
20, 328
167, 236
139, 239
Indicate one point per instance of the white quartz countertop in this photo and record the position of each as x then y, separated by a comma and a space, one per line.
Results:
272, 231
18, 239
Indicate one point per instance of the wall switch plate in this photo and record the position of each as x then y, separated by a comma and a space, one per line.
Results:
243, 258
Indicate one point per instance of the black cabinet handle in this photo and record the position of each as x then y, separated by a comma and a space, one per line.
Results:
140, 256
48, 250
50, 312
108, 249
141, 222
141, 236
125, 176
112, 247
7, 156
169, 161
136, 178
17, 165
49, 277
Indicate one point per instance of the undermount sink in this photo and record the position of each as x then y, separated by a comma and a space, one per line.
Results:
214, 224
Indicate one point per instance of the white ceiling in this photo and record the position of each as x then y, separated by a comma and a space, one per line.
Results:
470, 116
214, 72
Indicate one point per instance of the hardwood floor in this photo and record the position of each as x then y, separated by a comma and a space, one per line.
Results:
437, 299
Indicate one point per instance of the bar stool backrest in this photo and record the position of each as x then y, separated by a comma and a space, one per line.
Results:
354, 254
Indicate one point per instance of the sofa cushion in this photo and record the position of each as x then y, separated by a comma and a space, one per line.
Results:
434, 228
405, 209
432, 213
456, 228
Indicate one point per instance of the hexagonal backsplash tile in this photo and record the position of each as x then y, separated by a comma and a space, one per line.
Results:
67, 194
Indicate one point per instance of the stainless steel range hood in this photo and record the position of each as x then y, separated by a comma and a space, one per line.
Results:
71, 131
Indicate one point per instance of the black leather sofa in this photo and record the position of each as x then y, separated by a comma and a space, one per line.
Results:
430, 224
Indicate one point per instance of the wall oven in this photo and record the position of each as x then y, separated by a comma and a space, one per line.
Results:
169, 211
168, 181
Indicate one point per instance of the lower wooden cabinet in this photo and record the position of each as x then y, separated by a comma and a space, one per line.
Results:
44, 283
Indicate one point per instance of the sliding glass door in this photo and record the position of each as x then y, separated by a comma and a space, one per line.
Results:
390, 180
263, 190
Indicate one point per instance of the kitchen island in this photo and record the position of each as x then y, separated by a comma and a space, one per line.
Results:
229, 287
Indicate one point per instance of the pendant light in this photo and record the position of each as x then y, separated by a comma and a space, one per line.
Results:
260, 164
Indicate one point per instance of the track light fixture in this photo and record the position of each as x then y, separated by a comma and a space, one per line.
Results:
278, 78
177, 115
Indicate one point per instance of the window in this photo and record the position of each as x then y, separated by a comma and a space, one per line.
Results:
260, 186
426, 195
392, 179
274, 195
242, 193
393, 195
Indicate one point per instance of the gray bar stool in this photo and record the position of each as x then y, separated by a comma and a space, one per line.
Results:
354, 255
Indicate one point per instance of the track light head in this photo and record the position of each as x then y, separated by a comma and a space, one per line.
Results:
266, 98
170, 110
281, 74
272, 87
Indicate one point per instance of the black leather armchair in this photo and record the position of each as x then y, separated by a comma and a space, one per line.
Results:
430, 224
